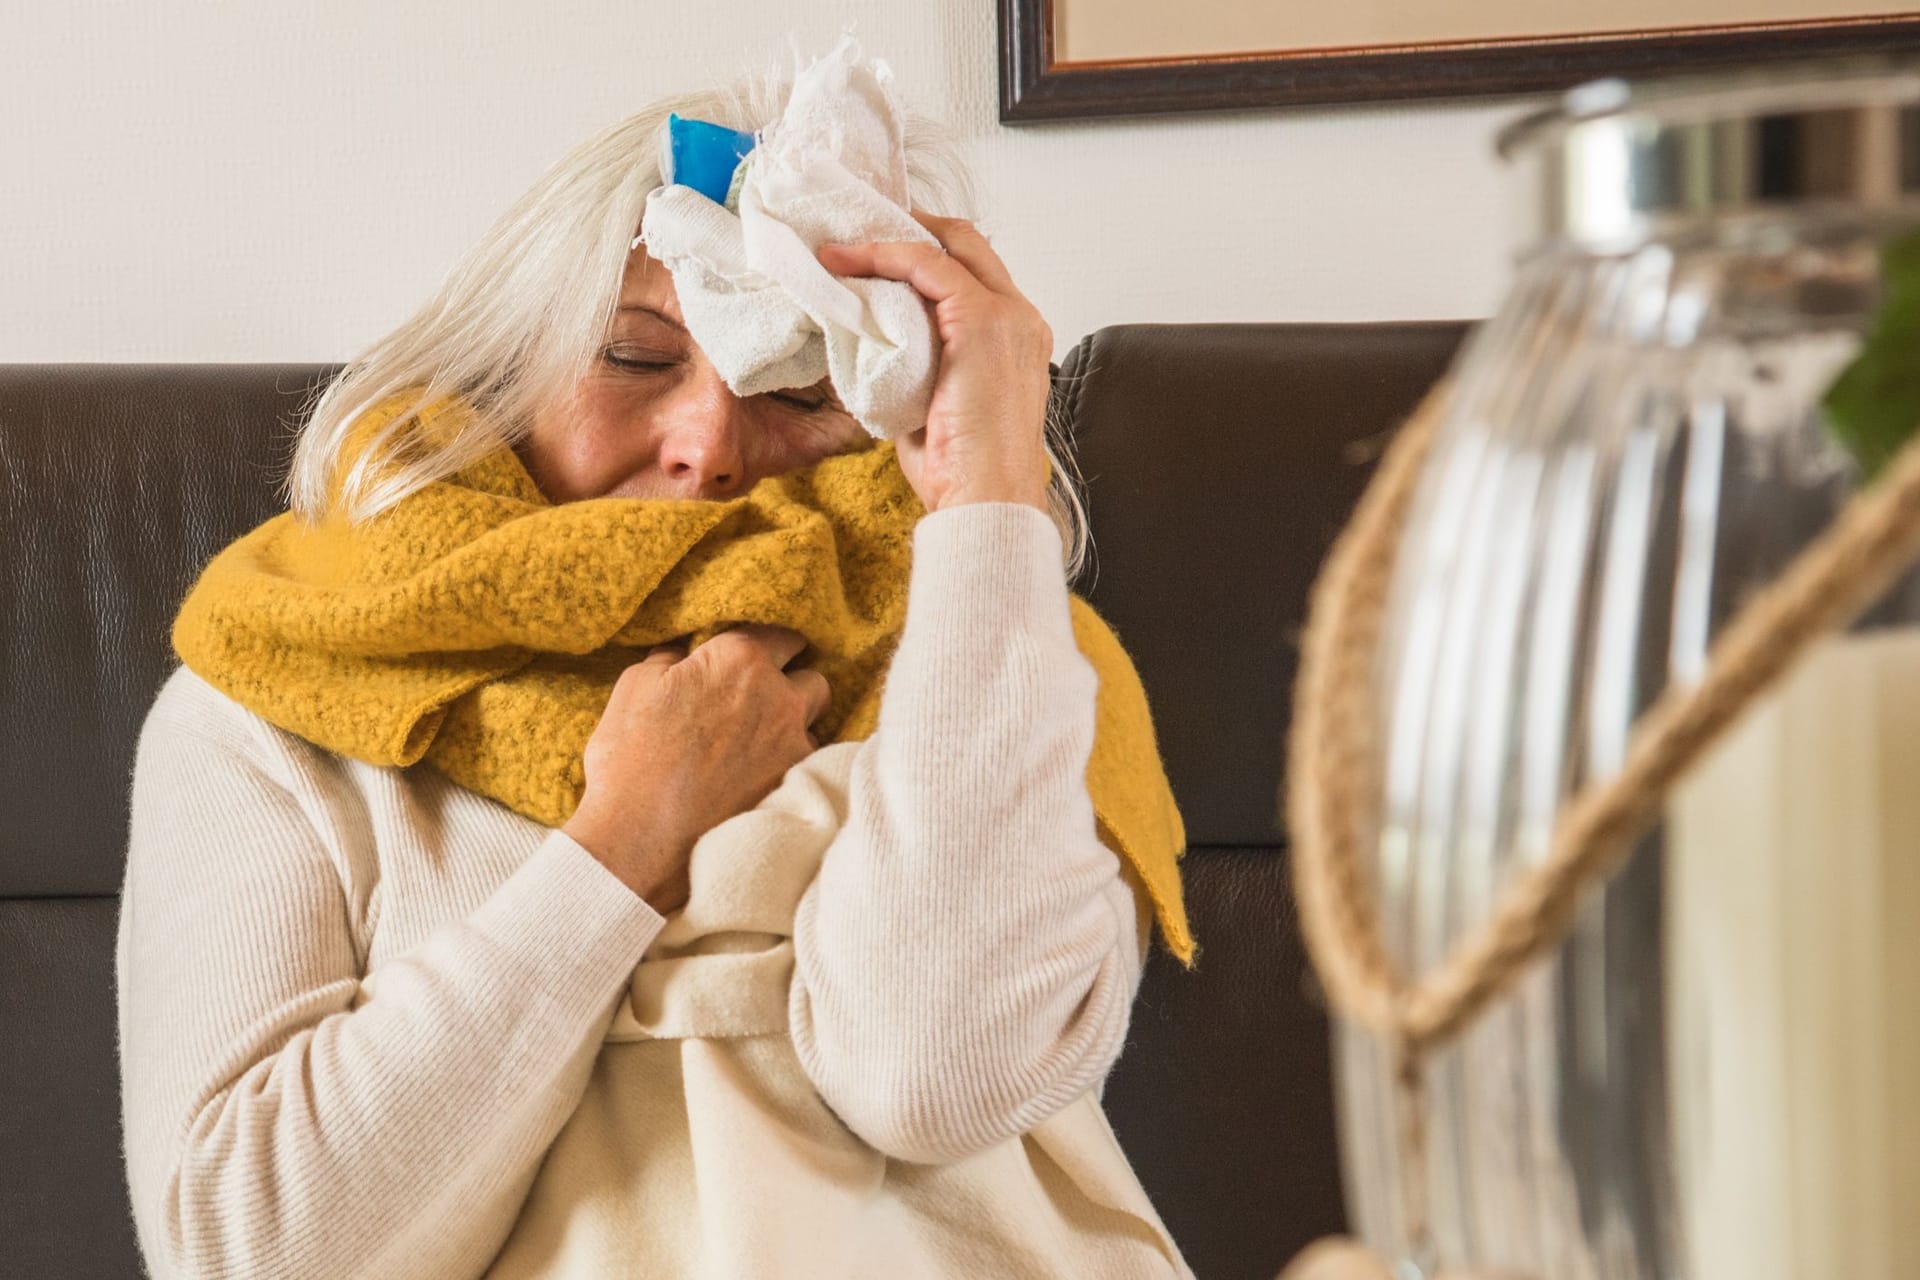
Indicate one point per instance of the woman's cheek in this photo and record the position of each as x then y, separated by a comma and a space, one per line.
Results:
803, 443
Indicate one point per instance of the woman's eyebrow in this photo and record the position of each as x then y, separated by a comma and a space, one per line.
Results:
655, 312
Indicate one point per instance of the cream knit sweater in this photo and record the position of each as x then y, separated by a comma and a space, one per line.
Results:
358, 1005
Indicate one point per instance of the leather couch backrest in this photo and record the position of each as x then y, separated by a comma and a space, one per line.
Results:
1221, 462
117, 482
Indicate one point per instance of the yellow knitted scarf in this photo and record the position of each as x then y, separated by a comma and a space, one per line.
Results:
479, 628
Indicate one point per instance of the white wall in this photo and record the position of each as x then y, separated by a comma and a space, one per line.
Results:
213, 180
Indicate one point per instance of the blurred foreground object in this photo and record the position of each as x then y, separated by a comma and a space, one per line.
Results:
1605, 850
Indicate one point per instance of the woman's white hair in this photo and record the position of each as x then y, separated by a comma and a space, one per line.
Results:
524, 316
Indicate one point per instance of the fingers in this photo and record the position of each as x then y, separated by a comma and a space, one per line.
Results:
936, 276
656, 659
778, 645
813, 689
781, 644
968, 243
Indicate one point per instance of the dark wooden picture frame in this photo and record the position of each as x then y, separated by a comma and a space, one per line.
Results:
1034, 87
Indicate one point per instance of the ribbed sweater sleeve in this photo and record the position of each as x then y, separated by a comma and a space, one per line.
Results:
285, 1116
967, 957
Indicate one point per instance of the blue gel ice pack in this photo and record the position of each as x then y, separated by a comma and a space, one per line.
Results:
701, 155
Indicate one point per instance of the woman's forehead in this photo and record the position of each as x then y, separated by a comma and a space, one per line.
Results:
648, 282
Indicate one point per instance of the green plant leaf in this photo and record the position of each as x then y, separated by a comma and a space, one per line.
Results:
1873, 407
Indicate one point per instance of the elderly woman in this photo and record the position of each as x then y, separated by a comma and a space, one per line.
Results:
527, 875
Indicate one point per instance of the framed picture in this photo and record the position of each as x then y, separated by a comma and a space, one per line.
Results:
1070, 59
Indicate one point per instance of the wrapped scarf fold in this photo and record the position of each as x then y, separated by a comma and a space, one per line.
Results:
479, 628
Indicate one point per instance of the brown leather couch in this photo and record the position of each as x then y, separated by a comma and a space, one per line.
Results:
1221, 461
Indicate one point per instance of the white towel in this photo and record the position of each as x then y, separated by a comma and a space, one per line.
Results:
831, 169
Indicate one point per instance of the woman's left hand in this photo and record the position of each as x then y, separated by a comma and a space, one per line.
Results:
984, 440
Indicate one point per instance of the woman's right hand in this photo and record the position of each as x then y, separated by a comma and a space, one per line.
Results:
686, 742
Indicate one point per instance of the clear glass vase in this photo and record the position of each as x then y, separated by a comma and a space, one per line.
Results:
1714, 1076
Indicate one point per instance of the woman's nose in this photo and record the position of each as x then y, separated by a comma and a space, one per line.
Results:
703, 450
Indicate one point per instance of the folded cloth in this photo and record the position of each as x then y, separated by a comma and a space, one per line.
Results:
831, 169
479, 628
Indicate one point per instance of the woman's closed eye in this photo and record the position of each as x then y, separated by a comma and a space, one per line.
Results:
639, 362
643, 364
